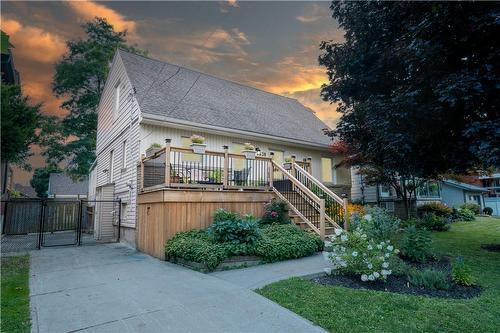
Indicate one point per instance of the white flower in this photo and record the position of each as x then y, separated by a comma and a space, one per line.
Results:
369, 247
390, 248
355, 254
381, 258
396, 251
385, 264
389, 272
379, 247
376, 274
384, 272
364, 277
382, 243
363, 236
338, 231
368, 217
371, 277
387, 255
343, 238
370, 266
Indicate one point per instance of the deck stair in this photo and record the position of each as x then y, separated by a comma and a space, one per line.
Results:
312, 205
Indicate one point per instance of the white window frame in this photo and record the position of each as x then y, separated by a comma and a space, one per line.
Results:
124, 154
332, 171
385, 194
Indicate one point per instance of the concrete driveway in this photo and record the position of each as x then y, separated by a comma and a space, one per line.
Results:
112, 288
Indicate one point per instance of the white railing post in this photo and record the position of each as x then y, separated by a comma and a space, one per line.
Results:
322, 218
225, 181
167, 162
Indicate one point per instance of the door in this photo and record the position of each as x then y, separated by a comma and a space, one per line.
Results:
106, 213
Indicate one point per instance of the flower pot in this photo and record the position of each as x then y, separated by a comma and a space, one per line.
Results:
287, 166
198, 148
151, 151
249, 154
175, 179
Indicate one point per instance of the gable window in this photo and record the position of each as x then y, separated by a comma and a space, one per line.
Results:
117, 97
124, 154
111, 165
326, 170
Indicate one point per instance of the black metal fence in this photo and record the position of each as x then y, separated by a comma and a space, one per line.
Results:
29, 224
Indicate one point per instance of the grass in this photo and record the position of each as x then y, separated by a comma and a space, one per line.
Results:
340, 309
15, 313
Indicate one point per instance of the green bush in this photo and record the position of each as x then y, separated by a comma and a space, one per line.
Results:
463, 214
286, 241
377, 223
435, 208
488, 210
223, 215
239, 231
462, 274
429, 279
431, 221
416, 244
473, 207
276, 211
196, 246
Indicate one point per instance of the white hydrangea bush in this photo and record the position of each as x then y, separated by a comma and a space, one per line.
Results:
355, 252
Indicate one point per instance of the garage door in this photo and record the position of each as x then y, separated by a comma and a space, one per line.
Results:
494, 203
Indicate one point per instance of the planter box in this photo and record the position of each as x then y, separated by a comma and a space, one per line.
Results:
230, 263
151, 151
249, 154
198, 148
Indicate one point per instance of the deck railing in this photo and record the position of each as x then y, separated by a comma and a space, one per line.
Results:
177, 167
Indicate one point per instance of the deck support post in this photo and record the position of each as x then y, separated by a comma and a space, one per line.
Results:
322, 219
225, 181
167, 162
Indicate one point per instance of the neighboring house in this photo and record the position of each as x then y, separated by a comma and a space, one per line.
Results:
63, 187
455, 194
25, 191
492, 198
147, 101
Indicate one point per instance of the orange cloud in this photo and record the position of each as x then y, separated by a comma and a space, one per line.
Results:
33, 43
89, 9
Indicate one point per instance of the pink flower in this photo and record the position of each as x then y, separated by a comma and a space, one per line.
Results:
274, 214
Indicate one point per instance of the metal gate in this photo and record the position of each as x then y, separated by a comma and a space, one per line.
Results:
30, 224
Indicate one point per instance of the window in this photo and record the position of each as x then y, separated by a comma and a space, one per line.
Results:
385, 191
123, 211
189, 157
124, 154
117, 97
111, 165
388, 205
326, 170
429, 189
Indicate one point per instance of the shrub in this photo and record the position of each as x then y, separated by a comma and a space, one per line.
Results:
416, 244
473, 207
436, 208
357, 209
429, 279
276, 211
196, 246
378, 224
463, 214
240, 231
488, 210
248, 146
198, 139
286, 241
356, 253
223, 215
431, 221
461, 273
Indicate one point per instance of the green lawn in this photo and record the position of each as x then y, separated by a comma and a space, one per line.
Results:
340, 309
15, 313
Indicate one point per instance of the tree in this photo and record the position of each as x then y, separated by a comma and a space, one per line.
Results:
417, 86
79, 79
20, 120
40, 179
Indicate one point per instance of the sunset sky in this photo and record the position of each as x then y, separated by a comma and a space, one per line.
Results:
269, 45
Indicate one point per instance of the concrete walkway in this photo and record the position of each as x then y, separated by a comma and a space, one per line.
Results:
111, 288
258, 276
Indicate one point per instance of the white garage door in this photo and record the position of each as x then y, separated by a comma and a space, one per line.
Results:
494, 203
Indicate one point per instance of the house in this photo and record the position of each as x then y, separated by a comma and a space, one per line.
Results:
63, 187
147, 101
25, 191
492, 198
455, 194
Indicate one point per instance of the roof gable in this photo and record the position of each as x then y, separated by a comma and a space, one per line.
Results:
167, 90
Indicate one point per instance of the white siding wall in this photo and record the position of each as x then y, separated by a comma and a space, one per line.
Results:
157, 134
368, 194
114, 128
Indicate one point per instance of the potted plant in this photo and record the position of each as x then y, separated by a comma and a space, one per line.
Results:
249, 151
198, 144
288, 163
174, 177
153, 149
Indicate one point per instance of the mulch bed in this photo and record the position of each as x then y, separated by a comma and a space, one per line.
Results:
491, 247
399, 284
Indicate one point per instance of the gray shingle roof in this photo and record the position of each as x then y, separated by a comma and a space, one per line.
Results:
464, 186
60, 184
175, 92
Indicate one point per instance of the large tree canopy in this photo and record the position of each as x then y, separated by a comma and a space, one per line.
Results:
79, 79
20, 120
417, 85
